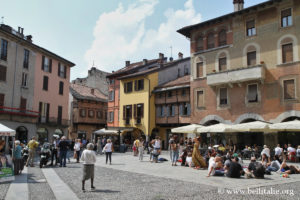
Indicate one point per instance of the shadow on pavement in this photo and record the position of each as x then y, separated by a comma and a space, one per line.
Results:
105, 191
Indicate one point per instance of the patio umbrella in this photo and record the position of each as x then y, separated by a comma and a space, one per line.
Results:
106, 132
286, 126
216, 128
5, 131
250, 127
186, 129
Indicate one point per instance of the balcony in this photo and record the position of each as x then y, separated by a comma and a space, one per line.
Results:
237, 75
18, 111
53, 121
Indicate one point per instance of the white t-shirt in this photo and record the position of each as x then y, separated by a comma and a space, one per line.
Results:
278, 151
88, 157
212, 165
108, 147
188, 160
291, 149
157, 144
77, 146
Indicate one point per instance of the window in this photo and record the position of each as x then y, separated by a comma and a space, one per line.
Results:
23, 103
127, 112
91, 113
210, 41
199, 70
200, 99
128, 87
59, 114
289, 89
162, 111
61, 87
44, 109
223, 96
24, 79
111, 81
186, 70
82, 113
2, 73
287, 53
3, 54
62, 71
169, 113
172, 110
252, 93
183, 92
222, 64
286, 18
200, 44
251, 58
26, 59
111, 117
169, 93
111, 95
138, 111
251, 28
222, 38
2, 100
45, 83
185, 109
139, 85
99, 114
46, 64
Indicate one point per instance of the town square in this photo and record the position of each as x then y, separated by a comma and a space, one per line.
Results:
150, 99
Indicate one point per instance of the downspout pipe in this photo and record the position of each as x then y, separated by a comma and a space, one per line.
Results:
149, 81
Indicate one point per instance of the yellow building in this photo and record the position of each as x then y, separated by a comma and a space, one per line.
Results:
137, 107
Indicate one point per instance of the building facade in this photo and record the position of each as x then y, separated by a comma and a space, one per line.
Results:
22, 84
88, 111
245, 67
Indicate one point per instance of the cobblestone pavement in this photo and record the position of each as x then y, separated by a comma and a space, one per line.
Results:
3, 189
117, 184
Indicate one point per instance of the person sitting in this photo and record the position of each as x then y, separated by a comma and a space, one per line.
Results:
275, 165
216, 167
221, 149
291, 153
255, 169
278, 150
265, 160
189, 160
266, 151
289, 169
298, 153
235, 155
235, 170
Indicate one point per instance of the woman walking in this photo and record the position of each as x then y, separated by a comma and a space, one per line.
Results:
198, 160
141, 149
175, 151
18, 161
89, 159
77, 147
108, 148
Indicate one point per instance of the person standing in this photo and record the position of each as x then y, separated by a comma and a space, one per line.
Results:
135, 147
175, 151
18, 161
63, 150
88, 157
54, 151
32, 145
99, 146
77, 147
197, 158
170, 146
141, 149
108, 150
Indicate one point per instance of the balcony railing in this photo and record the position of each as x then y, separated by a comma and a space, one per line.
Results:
18, 111
237, 75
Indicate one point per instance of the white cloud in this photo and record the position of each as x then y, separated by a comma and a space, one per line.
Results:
121, 34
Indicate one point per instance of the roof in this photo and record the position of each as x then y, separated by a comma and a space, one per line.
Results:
8, 30
179, 83
85, 93
141, 73
187, 30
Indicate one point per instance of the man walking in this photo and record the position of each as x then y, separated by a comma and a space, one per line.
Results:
32, 145
63, 150
54, 151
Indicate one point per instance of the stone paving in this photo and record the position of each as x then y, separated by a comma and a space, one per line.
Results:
128, 178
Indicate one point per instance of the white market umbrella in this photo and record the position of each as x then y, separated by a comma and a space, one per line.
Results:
106, 132
186, 129
286, 126
216, 128
5, 131
250, 127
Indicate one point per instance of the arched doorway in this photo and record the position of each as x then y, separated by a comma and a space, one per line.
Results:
251, 138
42, 135
22, 134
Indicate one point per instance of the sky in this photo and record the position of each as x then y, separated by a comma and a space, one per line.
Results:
105, 34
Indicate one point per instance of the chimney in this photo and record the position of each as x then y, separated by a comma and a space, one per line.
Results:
180, 55
22, 30
161, 56
127, 63
92, 91
145, 61
238, 5
19, 29
29, 38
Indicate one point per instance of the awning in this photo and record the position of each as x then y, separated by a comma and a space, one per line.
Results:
186, 129
286, 126
216, 128
256, 126
106, 132
5, 131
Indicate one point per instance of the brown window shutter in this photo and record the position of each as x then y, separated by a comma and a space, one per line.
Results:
125, 87
124, 112
252, 93
142, 84
287, 53
251, 58
58, 69
200, 44
43, 61
23, 104
2, 73
135, 85
222, 64
286, 13
48, 112
289, 89
50, 65
200, 99
200, 69
210, 41
2, 100
65, 71
142, 110
223, 96
222, 38
130, 112
135, 111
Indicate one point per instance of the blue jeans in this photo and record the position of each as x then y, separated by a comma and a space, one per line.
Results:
219, 173
271, 169
63, 155
175, 155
